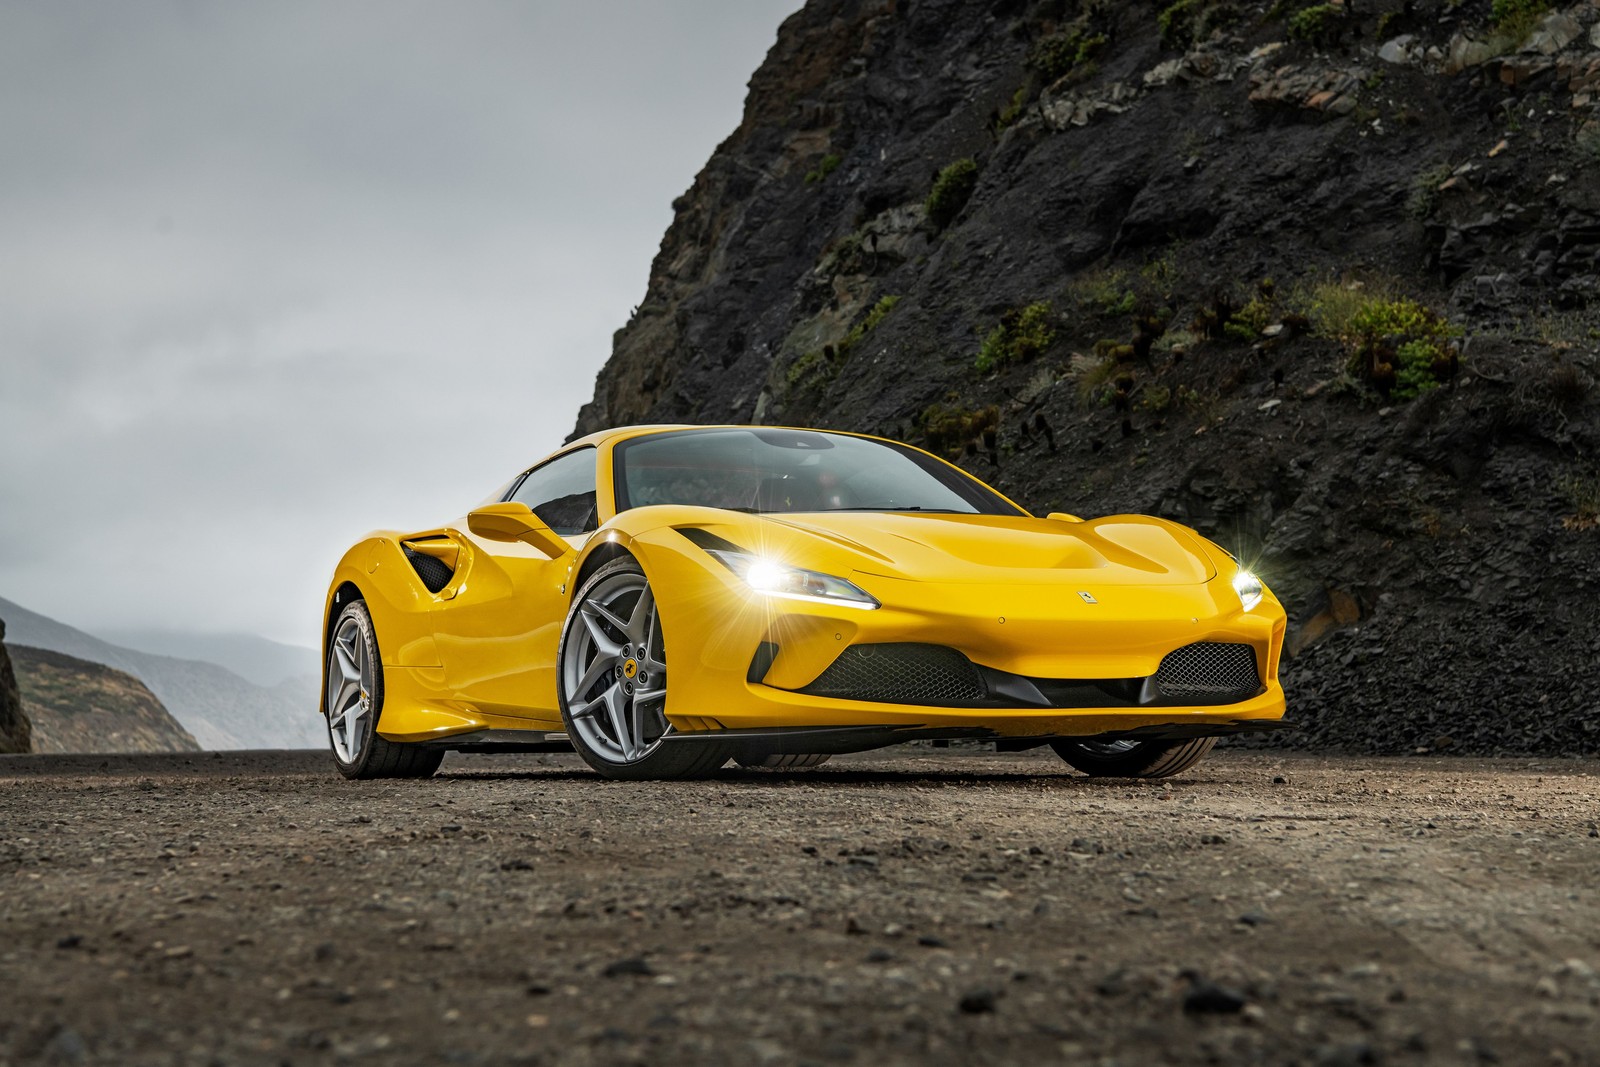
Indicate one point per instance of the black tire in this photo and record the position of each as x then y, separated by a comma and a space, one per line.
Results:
622, 578
1134, 759
782, 761
374, 756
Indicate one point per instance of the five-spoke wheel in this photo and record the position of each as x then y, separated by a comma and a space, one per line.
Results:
613, 682
353, 700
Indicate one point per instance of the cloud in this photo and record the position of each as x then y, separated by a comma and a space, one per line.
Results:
278, 274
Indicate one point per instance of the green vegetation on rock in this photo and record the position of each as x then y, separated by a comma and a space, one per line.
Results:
827, 166
824, 362
951, 190
1398, 344
1059, 54
1022, 334
1517, 17
1316, 23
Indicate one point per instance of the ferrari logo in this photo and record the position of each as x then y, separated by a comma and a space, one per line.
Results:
1088, 598
630, 668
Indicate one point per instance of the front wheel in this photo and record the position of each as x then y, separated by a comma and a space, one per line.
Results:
1133, 759
354, 699
612, 682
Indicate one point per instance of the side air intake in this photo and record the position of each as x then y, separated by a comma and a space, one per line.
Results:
435, 573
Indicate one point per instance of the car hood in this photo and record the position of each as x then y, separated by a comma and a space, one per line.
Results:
1001, 549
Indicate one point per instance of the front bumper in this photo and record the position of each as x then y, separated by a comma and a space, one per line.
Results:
721, 677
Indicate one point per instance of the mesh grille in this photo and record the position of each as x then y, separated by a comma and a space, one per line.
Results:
433, 572
901, 674
1208, 672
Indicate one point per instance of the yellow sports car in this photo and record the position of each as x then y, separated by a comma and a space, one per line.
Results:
665, 598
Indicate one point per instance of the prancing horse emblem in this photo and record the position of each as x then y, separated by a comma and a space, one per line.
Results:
1088, 598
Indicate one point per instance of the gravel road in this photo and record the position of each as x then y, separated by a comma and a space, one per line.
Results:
908, 906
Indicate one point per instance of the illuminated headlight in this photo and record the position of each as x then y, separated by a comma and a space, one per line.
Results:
1248, 586
779, 579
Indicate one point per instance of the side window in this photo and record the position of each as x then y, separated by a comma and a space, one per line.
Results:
562, 492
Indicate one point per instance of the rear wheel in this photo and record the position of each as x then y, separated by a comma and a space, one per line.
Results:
612, 682
354, 700
1133, 759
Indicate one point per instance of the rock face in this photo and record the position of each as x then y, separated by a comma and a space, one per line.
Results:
78, 706
15, 730
1158, 296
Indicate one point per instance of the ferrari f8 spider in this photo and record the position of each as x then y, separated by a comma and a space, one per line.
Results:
663, 599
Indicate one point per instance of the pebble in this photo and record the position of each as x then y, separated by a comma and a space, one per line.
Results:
978, 1001
631, 966
1208, 998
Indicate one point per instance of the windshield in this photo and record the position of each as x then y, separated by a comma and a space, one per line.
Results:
764, 470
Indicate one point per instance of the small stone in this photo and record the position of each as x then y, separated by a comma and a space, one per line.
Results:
1254, 918
1280, 779
1546, 987
67, 1046
929, 941
978, 1002
634, 966
179, 952
1499, 148
880, 955
70, 941
1208, 998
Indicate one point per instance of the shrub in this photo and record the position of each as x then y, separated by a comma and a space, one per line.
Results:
1022, 334
1399, 345
1584, 496
1187, 21
1517, 17
1019, 100
949, 429
827, 166
1059, 54
1319, 22
951, 190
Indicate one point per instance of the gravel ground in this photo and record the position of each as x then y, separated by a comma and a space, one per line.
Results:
907, 906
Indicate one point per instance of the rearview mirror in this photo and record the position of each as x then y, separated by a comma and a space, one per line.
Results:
1062, 516
515, 521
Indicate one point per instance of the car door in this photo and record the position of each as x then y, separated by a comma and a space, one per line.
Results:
497, 635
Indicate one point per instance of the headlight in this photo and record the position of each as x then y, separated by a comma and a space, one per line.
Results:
1248, 586
779, 579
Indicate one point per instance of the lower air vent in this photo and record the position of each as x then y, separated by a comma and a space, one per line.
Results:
1209, 672
901, 674
435, 573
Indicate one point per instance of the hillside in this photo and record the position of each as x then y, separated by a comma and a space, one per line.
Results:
16, 732
255, 659
1322, 281
78, 706
220, 709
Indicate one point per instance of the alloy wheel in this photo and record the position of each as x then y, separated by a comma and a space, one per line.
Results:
614, 671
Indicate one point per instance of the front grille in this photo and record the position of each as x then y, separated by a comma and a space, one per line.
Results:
435, 573
902, 674
1209, 672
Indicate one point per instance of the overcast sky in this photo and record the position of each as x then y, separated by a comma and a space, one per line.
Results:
276, 274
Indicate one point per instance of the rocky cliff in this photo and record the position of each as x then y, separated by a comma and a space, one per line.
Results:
1321, 280
78, 706
15, 730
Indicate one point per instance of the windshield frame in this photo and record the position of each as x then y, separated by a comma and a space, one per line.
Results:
983, 499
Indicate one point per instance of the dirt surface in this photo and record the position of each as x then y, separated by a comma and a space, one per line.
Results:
908, 906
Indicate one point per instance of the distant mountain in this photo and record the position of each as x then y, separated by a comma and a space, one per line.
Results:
221, 709
255, 659
79, 706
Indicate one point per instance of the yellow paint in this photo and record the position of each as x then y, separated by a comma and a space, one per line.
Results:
1052, 598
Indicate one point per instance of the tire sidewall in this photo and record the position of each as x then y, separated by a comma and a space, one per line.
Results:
357, 610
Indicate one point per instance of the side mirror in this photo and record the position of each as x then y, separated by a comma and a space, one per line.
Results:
516, 522
1062, 516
